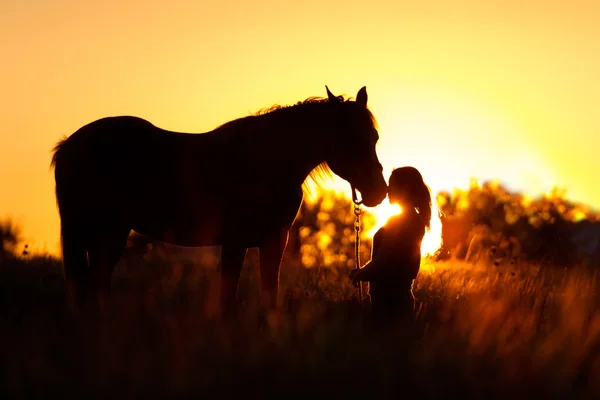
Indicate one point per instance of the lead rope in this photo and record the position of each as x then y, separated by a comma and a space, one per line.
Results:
357, 239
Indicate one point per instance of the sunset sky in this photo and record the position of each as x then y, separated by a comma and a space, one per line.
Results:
460, 89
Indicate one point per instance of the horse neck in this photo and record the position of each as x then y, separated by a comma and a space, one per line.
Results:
298, 142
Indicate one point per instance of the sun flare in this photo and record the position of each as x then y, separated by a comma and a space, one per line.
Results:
432, 240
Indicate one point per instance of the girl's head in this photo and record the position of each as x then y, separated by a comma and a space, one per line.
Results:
407, 189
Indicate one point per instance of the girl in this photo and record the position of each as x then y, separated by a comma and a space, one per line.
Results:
396, 255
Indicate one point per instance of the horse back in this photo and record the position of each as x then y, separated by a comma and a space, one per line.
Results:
198, 187
129, 161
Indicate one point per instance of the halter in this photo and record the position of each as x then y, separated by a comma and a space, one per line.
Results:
357, 238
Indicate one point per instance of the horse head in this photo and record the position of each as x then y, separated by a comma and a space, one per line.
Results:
351, 152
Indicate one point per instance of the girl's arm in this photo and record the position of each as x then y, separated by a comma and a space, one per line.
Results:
377, 242
367, 272
370, 269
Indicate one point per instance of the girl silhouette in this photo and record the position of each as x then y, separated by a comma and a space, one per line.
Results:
396, 254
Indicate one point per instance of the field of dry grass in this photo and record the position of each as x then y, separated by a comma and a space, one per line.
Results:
518, 331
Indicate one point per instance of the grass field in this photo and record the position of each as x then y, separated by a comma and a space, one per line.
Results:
493, 332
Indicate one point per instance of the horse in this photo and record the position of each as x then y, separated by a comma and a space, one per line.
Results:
238, 186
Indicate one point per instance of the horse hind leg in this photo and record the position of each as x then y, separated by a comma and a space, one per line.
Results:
271, 254
104, 250
76, 267
232, 260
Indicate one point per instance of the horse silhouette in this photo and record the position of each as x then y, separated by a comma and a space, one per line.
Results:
238, 186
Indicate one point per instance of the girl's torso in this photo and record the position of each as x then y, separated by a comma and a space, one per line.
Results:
397, 249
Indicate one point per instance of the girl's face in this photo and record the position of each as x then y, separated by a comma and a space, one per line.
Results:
397, 194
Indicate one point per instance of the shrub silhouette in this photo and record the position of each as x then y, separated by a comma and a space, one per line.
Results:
489, 219
324, 235
10, 237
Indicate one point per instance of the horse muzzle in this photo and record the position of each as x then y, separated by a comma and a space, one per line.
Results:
372, 194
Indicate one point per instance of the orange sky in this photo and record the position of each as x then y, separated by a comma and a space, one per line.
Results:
460, 89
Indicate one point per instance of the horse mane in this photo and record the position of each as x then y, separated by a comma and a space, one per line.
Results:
278, 107
318, 175
310, 100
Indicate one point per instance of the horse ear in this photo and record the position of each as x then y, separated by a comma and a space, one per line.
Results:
331, 97
361, 97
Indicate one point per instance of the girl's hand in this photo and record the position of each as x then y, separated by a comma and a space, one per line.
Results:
354, 275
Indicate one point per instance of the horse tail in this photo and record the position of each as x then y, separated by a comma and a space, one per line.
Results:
75, 260
74, 250
55, 152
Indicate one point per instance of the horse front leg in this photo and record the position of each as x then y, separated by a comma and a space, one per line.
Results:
271, 253
232, 259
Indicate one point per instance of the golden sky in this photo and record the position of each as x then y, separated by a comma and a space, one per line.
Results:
460, 89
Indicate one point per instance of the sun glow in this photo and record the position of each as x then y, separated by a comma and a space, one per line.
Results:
432, 240
382, 213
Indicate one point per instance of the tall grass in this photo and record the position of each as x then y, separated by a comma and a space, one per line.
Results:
490, 332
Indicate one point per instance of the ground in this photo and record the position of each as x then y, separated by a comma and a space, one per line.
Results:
493, 332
